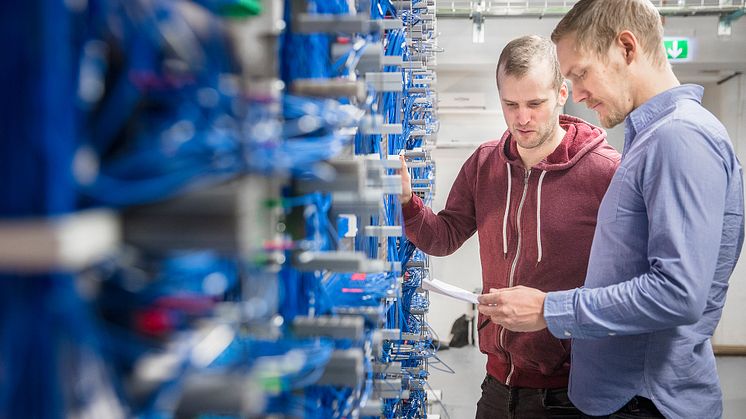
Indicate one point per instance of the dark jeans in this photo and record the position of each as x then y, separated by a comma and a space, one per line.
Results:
637, 408
502, 402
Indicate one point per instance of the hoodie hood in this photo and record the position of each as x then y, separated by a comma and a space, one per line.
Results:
580, 138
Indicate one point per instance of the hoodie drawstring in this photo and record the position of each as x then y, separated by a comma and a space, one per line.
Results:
538, 215
505, 217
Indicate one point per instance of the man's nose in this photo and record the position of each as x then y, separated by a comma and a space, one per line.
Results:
524, 116
579, 94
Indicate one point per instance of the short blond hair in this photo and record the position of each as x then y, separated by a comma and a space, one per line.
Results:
524, 53
597, 23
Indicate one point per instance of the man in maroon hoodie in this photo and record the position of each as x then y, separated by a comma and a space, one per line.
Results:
533, 197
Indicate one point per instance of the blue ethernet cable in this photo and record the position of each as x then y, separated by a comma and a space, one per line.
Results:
40, 314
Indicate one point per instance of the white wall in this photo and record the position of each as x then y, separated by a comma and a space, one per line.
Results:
469, 127
468, 67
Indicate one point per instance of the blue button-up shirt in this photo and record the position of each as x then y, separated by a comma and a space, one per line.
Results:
670, 230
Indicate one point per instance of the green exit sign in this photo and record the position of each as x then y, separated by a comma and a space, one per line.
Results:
676, 49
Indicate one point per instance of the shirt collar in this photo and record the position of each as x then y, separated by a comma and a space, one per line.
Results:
651, 110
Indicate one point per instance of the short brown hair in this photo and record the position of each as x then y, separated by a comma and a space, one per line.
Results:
597, 23
522, 54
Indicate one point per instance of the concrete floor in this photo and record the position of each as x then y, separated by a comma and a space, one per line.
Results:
460, 391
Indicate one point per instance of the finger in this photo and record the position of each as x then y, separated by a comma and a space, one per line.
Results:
487, 299
487, 310
495, 318
404, 171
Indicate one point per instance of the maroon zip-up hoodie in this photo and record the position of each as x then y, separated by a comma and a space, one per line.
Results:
535, 229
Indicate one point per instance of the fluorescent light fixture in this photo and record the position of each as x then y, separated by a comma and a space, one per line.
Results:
477, 27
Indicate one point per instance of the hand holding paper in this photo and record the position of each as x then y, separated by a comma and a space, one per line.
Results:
520, 309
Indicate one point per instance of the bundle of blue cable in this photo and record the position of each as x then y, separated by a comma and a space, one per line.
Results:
299, 289
157, 103
356, 290
307, 56
158, 113
323, 294
317, 293
402, 108
47, 339
164, 113
386, 104
280, 367
310, 133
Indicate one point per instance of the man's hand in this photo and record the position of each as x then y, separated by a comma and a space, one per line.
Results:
406, 183
520, 309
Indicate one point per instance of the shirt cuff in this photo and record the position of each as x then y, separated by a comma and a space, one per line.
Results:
412, 208
559, 313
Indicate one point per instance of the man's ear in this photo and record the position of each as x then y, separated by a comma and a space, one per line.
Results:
563, 94
628, 45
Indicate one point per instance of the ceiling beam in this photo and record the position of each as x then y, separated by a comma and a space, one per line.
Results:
445, 11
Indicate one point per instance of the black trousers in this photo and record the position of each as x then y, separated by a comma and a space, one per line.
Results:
502, 402
637, 408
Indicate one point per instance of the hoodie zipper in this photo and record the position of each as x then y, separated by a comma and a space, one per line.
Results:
526, 175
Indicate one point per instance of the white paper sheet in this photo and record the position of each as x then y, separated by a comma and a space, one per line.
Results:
449, 290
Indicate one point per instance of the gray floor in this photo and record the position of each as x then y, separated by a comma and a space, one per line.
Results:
460, 391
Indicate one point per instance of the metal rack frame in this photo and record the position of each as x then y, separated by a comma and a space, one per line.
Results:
732, 9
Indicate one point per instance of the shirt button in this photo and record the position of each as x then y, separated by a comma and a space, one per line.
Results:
612, 334
567, 333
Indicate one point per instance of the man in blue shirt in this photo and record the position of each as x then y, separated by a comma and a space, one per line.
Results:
670, 229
